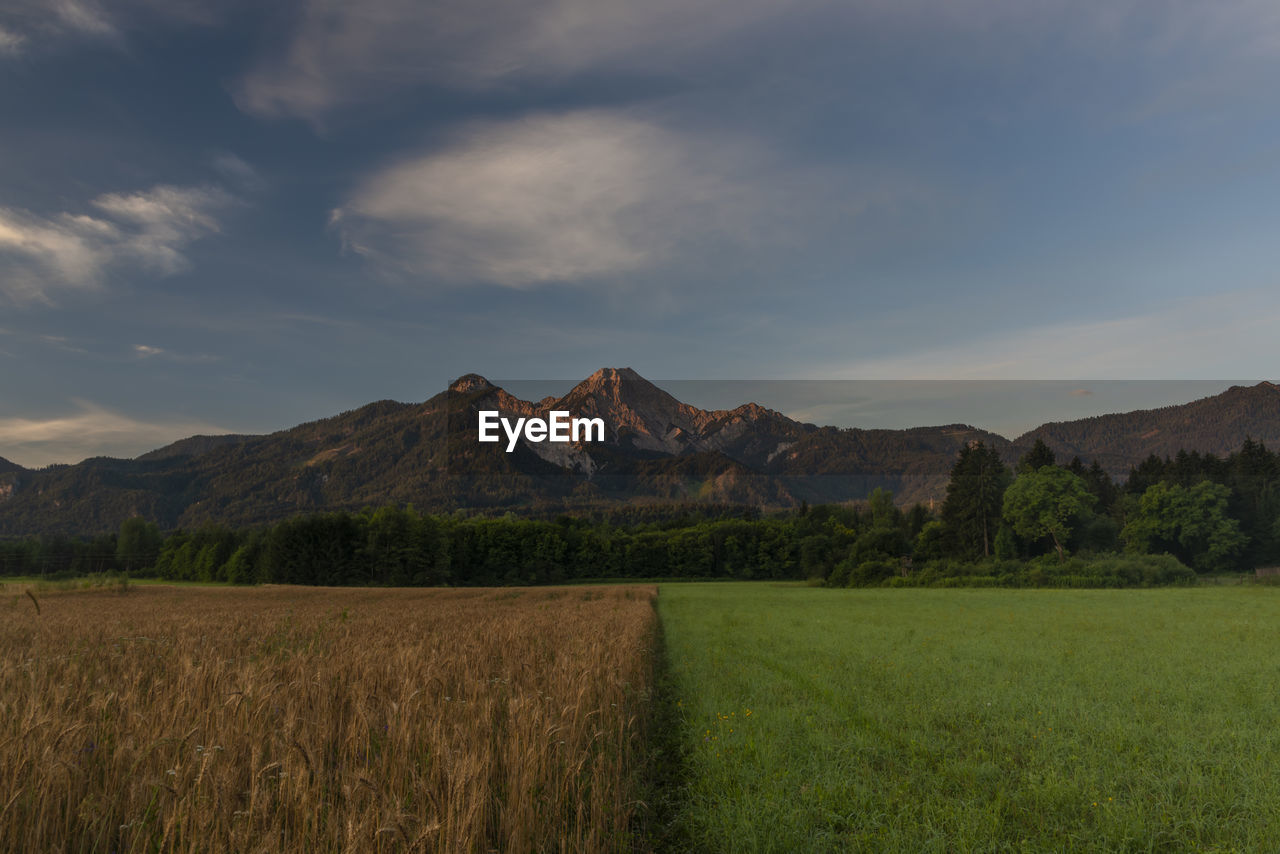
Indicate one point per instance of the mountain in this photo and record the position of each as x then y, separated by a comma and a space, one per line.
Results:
643, 417
1216, 425
193, 446
657, 449
9, 472
425, 454
834, 464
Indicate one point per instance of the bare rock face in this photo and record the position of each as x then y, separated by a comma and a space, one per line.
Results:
468, 383
636, 412
644, 417
640, 417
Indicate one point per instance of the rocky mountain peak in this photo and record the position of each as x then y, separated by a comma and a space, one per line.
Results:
468, 383
614, 382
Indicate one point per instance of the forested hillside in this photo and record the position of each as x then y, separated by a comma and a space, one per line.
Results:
658, 449
1212, 425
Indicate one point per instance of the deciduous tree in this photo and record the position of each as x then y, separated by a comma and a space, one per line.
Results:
1047, 502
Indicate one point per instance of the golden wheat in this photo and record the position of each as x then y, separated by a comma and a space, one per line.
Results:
291, 719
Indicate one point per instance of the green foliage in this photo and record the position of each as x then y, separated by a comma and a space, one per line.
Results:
1104, 570
934, 541
137, 544
1037, 458
975, 495
1049, 501
1006, 543
1191, 523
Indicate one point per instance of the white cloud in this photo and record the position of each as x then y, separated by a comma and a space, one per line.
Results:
142, 230
89, 431
588, 194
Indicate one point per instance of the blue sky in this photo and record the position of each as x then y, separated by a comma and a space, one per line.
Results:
232, 217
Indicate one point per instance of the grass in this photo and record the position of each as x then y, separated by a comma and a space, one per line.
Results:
973, 720
308, 719
790, 718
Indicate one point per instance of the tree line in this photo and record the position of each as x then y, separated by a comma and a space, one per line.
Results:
1038, 522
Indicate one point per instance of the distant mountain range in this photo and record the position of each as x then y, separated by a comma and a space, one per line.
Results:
657, 449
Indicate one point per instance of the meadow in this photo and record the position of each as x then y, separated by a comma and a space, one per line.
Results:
972, 720
309, 719
752, 717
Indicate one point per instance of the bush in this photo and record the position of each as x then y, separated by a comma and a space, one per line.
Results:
1104, 570
871, 572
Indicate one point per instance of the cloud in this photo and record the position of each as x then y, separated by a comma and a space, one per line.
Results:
587, 195
237, 172
143, 230
1204, 338
148, 351
24, 21
341, 52
10, 43
89, 431
83, 16
27, 23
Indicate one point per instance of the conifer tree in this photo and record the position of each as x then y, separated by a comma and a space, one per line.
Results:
975, 497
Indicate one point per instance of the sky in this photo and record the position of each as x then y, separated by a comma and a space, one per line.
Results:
229, 216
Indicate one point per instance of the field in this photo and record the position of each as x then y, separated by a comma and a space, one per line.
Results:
974, 720
308, 719
783, 718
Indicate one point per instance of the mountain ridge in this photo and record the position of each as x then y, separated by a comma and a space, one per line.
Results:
658, 449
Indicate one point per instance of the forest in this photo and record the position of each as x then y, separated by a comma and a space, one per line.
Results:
1039, 523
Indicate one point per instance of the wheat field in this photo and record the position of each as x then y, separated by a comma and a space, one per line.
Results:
305, 719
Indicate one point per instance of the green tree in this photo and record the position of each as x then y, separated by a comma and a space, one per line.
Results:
933, 542
1037, 458
975, 496
138, 544
1048, 502
883, 513
1190, 523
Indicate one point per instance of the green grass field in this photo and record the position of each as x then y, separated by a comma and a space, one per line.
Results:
973, 720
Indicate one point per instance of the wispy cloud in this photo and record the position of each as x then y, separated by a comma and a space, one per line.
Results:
10, 42
32, 23
1203, 338
149, 351
340, 52
587, 195
343, 54
90, 430
83, 16
28, 22
237, 172
144, 230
